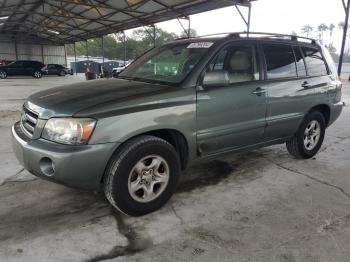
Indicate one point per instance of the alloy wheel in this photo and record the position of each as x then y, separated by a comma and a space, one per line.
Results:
37, 74
312, 135
3, 75
148, 178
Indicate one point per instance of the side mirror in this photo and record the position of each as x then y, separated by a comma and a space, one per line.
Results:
213, 79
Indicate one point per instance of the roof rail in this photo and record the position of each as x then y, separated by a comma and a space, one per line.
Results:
271, 35
201, 36
249, 34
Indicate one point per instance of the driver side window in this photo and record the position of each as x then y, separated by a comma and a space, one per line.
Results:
238, 61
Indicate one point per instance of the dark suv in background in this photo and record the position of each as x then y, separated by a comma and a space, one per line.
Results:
60, 70
23, 68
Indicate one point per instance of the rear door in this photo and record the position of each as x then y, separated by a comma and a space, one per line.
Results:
28, 68
52, 69
231, 116
321, 80
288, 89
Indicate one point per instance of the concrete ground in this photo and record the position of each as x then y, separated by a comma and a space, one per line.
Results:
258, 206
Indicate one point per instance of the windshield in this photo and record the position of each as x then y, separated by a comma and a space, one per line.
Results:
169, 64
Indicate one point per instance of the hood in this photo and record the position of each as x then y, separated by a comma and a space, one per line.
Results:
70, 99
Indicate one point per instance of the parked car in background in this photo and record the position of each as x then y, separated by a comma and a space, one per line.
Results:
60, 70
117, 70
189, 100
23, 68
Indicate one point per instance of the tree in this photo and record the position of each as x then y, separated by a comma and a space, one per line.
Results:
193, 33
322, 28
307, 30
138, 43
331, 30
341, 26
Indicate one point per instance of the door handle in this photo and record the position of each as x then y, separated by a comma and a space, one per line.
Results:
306, 85
259, 91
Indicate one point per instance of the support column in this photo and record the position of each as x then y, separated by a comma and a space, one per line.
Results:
65, 55
346, 25
249, 15
154, 36
103, 52
124, 40
189, 27
75, 59
42, 54
87, 50
16, 49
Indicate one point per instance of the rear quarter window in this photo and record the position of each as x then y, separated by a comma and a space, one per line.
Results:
314, 61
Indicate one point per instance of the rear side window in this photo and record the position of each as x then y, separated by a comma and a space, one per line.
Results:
27, 64
280, 61
314, 62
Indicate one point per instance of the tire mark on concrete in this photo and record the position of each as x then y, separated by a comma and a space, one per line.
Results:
137, 242
340, 189
10, 179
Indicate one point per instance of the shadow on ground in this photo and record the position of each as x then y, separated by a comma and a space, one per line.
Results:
43, 205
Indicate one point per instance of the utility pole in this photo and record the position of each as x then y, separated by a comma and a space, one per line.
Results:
345, 31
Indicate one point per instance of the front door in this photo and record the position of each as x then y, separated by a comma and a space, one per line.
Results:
231, 115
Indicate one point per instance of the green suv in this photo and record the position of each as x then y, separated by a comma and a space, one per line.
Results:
189, 99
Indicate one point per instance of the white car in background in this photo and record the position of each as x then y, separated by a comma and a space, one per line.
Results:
117, 70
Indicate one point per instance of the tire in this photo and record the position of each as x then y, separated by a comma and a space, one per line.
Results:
3, 74
135, 165
62, 73
304, 144
37, 74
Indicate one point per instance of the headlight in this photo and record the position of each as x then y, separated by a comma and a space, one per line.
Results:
72, 131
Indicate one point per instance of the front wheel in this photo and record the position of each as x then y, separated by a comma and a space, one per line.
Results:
37, 74
142, 176
309, 138
3, 74
62, 73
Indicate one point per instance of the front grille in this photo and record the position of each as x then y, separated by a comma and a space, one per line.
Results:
29, 119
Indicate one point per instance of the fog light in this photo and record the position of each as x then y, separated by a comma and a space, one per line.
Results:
47, 166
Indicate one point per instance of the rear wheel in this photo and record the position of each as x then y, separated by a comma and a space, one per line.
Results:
3, 74
309, 138
142, 176
37, 74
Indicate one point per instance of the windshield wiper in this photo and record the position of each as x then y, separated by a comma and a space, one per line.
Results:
146, 80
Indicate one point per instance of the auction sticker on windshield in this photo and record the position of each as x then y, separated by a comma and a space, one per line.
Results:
200, 45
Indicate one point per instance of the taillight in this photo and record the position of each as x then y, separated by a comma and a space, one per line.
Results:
340, 82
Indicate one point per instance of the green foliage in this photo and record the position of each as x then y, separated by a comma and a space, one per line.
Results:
307, 30
193, 33
138, 43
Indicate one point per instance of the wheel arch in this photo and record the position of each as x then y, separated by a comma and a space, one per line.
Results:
174, 137
324, 109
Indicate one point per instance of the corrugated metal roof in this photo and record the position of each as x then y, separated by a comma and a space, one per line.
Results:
67, 21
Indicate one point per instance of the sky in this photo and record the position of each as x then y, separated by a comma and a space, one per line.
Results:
277, 16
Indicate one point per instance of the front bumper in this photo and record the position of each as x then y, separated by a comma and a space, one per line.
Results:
75, 166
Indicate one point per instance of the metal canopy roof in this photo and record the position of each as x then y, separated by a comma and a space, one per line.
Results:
68, 21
